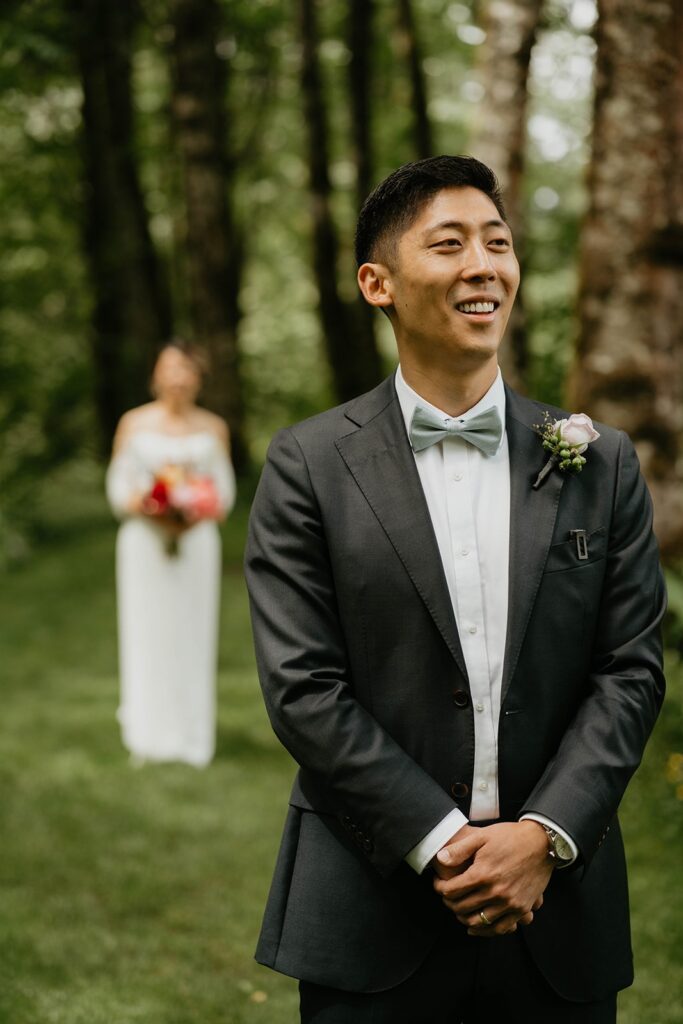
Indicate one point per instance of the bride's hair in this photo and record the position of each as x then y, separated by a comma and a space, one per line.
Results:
194, 353
197, 355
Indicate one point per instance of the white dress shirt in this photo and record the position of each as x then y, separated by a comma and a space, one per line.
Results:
468, 497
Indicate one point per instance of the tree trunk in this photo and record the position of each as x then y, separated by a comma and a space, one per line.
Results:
630, 354
131, 314
410, 47
361, 15
351, 360
214, 249
361, 22
500, 137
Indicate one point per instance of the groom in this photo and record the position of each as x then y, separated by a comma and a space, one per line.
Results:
466, 666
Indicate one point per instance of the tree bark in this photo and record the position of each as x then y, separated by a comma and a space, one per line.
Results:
410, 47
351, 360
131, 313
629, 368
214, 248
500, 139
361, 22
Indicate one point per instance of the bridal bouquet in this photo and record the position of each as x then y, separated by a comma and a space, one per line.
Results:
181, 498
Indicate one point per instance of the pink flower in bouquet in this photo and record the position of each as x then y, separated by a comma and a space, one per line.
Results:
196, 498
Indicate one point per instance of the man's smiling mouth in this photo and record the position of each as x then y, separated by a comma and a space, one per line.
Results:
477, 307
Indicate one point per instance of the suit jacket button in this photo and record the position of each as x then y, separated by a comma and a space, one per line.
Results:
461, 698
459, 790
368, 844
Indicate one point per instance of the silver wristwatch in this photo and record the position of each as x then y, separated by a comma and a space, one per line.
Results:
558, 847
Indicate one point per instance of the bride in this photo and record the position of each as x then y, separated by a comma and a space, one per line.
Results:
169, 480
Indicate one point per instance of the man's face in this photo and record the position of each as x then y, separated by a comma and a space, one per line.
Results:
454, 280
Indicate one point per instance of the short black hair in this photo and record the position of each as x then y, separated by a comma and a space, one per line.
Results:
394, 204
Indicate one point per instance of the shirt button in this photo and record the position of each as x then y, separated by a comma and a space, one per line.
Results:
479, 706
483, 786
472, 629
457, 476
464, 551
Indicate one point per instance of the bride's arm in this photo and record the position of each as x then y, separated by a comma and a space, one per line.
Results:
125, 483
222, 470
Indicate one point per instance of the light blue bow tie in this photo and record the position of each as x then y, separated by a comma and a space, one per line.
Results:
484, 430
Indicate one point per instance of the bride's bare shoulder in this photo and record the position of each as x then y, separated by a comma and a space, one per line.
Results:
143, 417
213, 424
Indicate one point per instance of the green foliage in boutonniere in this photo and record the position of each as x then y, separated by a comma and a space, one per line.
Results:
566, 441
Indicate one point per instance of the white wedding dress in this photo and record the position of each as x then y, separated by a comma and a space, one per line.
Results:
168, 605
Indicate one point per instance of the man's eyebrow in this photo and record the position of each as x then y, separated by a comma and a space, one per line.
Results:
458, 225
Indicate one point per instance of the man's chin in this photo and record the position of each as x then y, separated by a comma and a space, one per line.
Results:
477, 351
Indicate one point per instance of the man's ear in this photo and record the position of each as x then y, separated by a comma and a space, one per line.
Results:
374, 281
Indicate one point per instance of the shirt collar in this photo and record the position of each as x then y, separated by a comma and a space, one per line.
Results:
408, 399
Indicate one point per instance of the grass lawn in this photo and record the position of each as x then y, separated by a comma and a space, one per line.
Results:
135, 894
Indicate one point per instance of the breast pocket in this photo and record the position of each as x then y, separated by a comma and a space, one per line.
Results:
576, 552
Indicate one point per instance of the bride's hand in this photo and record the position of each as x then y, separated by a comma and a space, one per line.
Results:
136, 505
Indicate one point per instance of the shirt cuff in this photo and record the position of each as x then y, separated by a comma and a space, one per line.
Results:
419, 857
542, 820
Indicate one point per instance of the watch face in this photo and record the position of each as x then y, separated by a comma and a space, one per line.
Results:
562, 847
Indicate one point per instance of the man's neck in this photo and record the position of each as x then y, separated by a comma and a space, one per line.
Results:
453, 393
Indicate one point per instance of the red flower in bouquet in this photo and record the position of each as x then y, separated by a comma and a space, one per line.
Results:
156, 503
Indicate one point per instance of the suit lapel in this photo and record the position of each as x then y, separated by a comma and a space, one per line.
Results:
379, 457
532, 521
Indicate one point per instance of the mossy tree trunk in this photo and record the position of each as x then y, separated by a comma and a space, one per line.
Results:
360, 27
499, 139
353, 361
131, 310
409, 45
629, 369
213, 241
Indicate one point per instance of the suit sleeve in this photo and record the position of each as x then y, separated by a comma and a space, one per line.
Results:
584, 782
386, 801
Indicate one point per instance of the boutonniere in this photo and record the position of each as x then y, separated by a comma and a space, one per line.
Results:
566, 441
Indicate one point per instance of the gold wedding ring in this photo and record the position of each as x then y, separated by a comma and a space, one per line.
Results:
485, 920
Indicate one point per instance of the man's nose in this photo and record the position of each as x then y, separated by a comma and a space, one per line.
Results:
479, 264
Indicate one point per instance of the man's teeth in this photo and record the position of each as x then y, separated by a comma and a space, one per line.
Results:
476, 307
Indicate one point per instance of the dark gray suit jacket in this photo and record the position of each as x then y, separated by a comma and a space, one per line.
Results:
366, 686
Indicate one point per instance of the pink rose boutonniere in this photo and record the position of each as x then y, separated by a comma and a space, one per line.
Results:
566, 441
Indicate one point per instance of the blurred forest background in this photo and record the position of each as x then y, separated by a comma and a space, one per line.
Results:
194, 167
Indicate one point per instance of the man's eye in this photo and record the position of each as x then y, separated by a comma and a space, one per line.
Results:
501, 243
447, 243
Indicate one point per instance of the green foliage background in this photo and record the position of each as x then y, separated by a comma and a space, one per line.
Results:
46, 404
